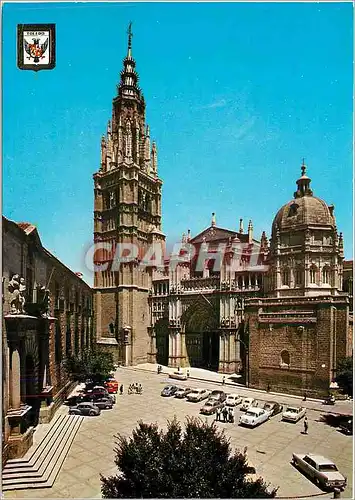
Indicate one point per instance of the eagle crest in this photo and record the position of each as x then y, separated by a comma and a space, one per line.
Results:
35, 50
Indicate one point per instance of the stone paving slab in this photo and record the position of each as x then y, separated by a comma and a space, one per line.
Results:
270, 445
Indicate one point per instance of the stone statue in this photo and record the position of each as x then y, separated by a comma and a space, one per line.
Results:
46, 304
17, 288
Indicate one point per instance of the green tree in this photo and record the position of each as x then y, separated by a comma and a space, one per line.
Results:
196, 463
91, 364
344, 376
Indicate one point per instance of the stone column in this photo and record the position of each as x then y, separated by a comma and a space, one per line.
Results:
171, 349
184, 359
15, 375
222, 353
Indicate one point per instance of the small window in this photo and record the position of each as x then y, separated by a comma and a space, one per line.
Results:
298, 276
292, 210
285, 358
286, 276
326, 274
313, 274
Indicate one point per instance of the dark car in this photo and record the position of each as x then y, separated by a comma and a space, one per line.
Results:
169, 390
96, 396
347, 427
220, 396
99, 392
85, 409
272, 408
78, 398
103, 403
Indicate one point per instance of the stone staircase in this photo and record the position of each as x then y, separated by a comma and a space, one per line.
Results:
42, 463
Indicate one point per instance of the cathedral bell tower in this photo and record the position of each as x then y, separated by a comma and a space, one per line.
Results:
127, 223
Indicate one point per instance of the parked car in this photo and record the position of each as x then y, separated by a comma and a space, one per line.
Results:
182, 392
94, 395
272, 408
247, 402
218, 395
323, 471
104, 403
74, 400
210, 407
198, 395
169, 390
233, 400
293, 413
347, 427
253, 417
111, 385
178, 375
84, 409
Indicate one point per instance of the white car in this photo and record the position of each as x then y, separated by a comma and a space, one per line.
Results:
182, 392
293, 413
198, 395
254, 417
323, 471
233, 400
247, 402
178, 375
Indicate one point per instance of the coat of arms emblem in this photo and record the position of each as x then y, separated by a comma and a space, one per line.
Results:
36, 46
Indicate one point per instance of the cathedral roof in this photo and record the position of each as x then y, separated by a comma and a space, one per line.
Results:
214, 233
305, 209
27, 227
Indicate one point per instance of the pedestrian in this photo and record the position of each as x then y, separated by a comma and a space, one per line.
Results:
225, 414
268, 388
218, 413
121, 389
305, 424
179, 369
231, 415
223, 380
188, 373
305, 396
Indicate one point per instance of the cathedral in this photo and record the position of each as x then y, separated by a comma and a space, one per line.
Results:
274, 312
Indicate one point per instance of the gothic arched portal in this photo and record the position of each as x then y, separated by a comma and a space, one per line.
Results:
162, 341
201, 324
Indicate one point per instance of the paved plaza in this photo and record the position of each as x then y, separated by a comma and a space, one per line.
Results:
270, 446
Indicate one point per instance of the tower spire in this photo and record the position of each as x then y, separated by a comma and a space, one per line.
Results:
128, 86
130, 35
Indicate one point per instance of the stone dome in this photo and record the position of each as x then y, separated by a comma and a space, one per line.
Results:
305, 209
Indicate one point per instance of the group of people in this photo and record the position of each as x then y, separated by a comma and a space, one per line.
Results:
135, 388
227, 414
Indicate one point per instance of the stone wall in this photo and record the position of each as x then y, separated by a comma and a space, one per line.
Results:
295, 344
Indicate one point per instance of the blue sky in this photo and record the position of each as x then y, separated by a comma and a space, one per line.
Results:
236, 94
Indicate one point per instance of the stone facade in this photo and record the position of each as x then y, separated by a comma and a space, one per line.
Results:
197, 305
225, 300
37, 339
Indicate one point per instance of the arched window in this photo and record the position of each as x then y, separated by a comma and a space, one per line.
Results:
286, 276
285, 358
298, 276
313, 274
326, 274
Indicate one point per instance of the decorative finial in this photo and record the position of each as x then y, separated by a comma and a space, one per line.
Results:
213, 221
241, 227
303, 167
